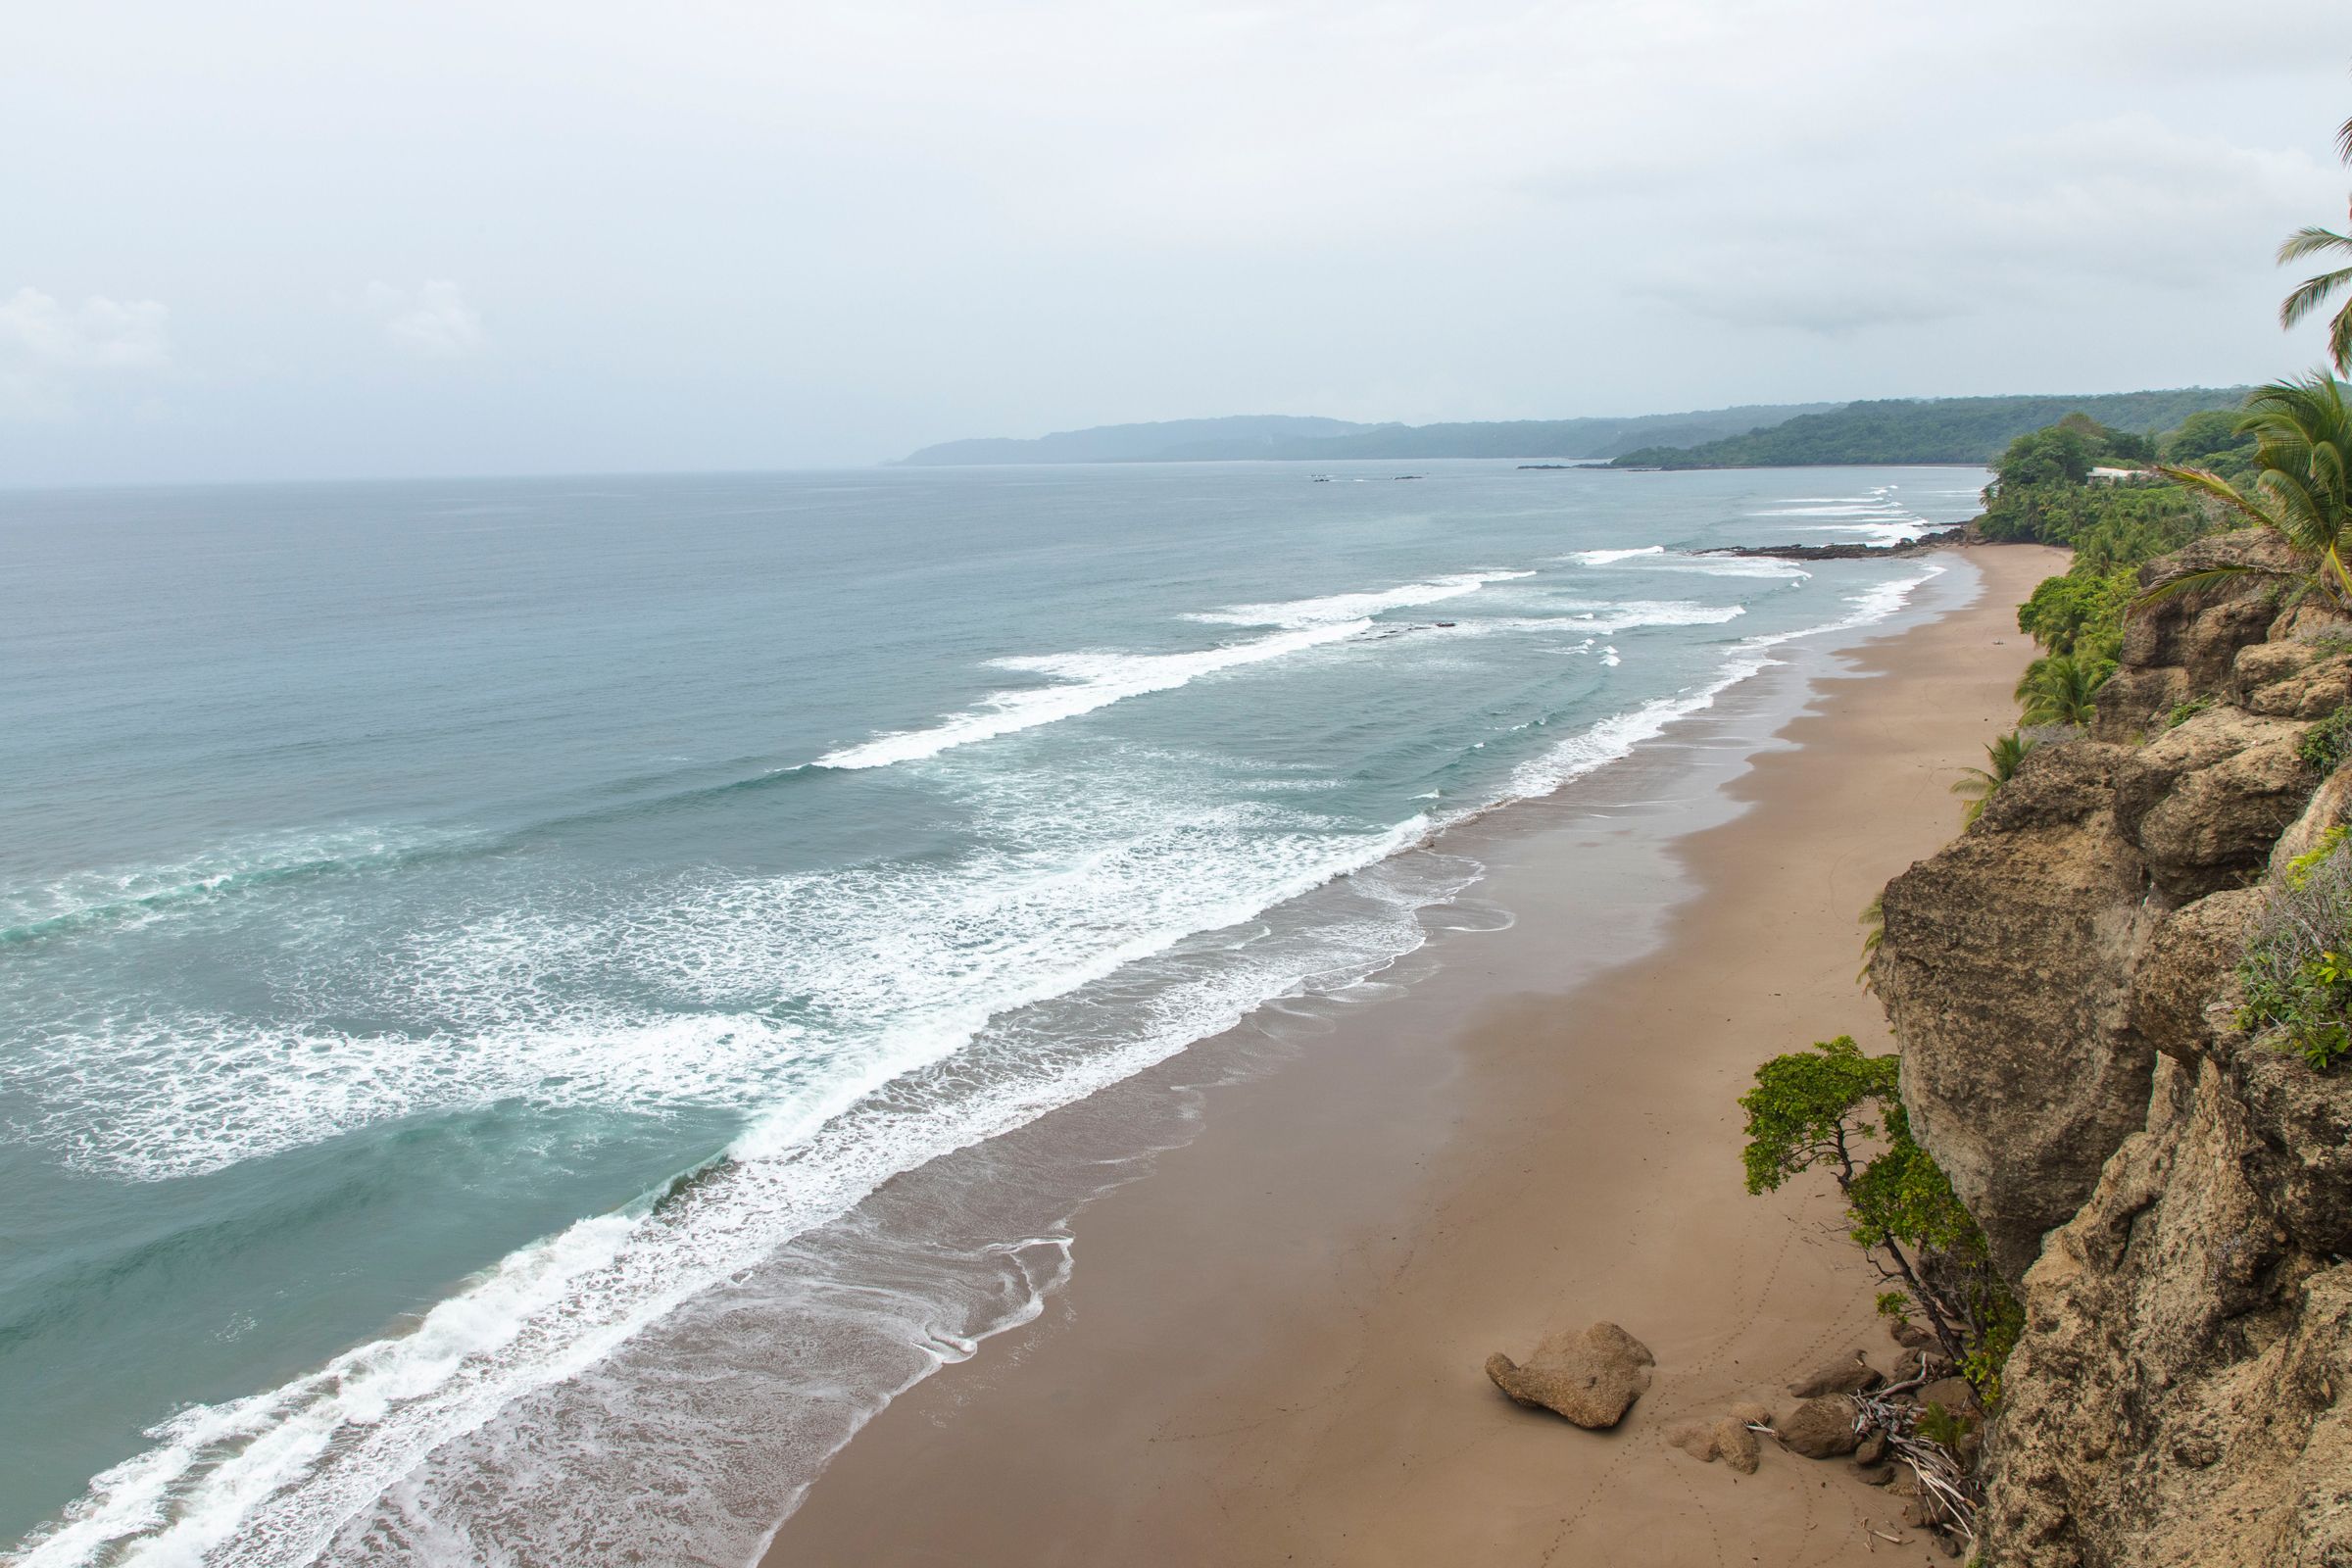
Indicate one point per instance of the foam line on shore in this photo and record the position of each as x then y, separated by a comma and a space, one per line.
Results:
276, 1476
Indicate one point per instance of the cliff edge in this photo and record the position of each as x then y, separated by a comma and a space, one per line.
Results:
2170, 1195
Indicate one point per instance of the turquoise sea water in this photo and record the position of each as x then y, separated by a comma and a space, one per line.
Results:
454, 936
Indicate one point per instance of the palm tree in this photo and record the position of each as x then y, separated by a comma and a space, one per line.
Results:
1976, 784
2313, 292
2302, 489
2058, 689
1874, 932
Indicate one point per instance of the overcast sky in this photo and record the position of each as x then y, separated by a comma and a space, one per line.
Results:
291, 240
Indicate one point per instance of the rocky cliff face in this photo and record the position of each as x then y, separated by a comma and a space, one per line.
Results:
2173, 1199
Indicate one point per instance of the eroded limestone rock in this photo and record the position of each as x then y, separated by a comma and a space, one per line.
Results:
1593, 1376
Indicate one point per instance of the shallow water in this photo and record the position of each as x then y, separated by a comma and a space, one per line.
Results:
403, 886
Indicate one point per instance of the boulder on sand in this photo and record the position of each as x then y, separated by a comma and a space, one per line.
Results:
1822, 1427
1727, 1439
1848, 1374
1591, 1377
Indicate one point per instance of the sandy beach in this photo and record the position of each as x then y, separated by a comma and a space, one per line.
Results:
1270, 1347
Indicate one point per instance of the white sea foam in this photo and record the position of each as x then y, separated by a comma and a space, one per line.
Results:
1337, 607
1088, 681
271, 1478
132, 895
1658, 557
1616, 737
928, 983
1639, 612
1876, 515
775, 984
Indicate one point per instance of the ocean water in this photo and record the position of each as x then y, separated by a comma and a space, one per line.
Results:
469, 950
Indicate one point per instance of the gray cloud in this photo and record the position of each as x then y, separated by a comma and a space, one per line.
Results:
709, 234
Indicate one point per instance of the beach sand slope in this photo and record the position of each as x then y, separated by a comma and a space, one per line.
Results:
1271, 1348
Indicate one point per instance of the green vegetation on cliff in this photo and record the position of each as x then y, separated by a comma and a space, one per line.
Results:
2298, 965
1928, 430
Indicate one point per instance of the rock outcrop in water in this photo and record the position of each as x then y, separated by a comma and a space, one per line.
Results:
1919, 546
2172, 1198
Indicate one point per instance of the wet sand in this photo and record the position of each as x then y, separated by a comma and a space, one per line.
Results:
1270, 1347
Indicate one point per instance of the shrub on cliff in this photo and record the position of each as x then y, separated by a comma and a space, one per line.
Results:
1833, 1109
2298, 965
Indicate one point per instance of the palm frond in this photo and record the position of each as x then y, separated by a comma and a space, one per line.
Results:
1974, 782
2310, 294
2172, 587
2310, 240
2213, 484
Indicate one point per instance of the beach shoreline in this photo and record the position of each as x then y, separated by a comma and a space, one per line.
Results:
1270, 1347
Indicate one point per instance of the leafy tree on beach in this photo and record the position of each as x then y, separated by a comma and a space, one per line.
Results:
1833, 1109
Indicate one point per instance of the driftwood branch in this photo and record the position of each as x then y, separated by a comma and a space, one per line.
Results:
1951, 1496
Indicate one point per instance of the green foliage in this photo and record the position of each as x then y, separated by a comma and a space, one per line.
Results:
1873, 919
2112, 529
2002, 1320
2308, 1003
1946, 1427
2183, 712
2082, 613
2297, 970
2327, 745
1833, 1108
1928, 431
1808, 1109
2107, 525
2058, 455
2301, 491
2301, 870
2212, 439
1975, 785
2060, 688
2311, 295
1903, 1192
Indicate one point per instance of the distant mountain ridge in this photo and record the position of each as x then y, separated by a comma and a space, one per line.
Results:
1287, 437
1899, 430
